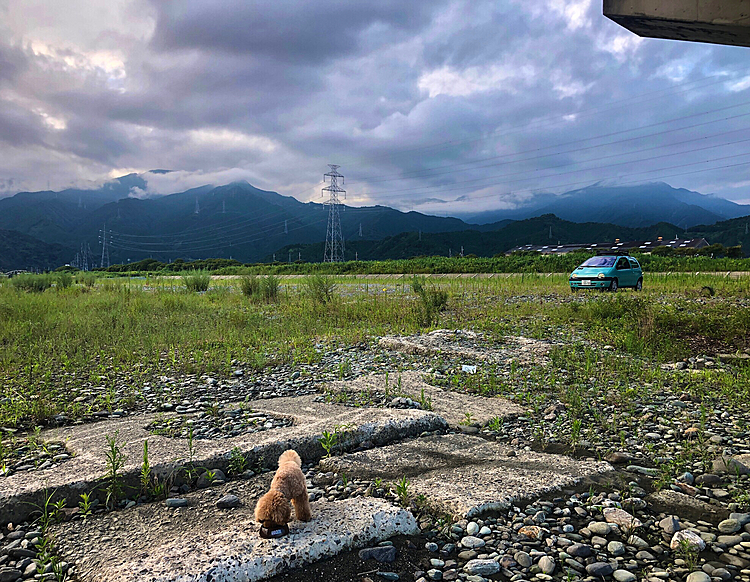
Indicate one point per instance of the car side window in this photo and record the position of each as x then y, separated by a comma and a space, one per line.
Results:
634, 264
623, 263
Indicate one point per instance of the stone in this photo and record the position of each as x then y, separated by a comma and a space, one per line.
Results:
670, 524
473, 528
743, 518
523, 559
624, 576
737, 464
600, 569
228, 502
707, 479
621, 518
388, 576
600, 528
722, 573
174, 502
580, 550
546, 564
9, 574
729, 526
736, 561
472, 542
481, 567
616, 548
698, 577
434, 574
382, 554
689, 538
533, 532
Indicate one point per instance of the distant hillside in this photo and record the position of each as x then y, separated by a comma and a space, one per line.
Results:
20, 251
547, 229
236, 220
634, 206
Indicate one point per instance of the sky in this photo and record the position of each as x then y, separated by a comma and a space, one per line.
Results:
439, 106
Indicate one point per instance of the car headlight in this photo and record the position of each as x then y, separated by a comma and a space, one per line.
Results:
574, 276
600, 275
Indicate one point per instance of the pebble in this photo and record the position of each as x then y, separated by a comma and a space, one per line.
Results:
547, 564
228, 502
729, 526
698, 577
482, 567
624, 576
176, 502
600, 569
472, 542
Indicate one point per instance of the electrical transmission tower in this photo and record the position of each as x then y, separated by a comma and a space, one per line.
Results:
334, 250
105, 249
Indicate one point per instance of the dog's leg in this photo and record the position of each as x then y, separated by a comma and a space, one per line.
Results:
302, 507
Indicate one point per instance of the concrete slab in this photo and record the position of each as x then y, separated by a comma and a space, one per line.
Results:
464, 475
200, 543
21, 491
450, 405
469, 345
712, 21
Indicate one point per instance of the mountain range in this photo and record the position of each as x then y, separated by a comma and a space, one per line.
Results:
240, 221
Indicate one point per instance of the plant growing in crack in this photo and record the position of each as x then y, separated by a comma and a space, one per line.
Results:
115, 462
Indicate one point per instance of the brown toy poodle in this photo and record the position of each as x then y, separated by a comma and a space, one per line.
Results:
272, 510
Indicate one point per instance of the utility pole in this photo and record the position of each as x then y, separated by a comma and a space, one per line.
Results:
197, 207
462, 251
360, 230
105, 250
223, 206
286, 230
334, 249
420, 236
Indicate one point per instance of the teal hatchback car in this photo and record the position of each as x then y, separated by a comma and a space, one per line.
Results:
607, 273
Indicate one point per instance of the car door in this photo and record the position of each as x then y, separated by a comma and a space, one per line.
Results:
624, 272
636, 270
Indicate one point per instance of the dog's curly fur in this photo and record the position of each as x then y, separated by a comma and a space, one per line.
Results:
288, 485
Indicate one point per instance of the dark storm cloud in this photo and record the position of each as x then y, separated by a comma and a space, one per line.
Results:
19, 127
285, 30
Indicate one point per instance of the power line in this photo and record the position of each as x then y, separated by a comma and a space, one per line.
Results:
505, 131
582, 140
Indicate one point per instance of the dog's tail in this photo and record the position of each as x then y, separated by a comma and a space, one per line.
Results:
290, 456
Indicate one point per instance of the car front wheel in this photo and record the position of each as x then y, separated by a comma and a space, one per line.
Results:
639, 285
613, 285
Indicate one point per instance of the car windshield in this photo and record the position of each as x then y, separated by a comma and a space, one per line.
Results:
599, 262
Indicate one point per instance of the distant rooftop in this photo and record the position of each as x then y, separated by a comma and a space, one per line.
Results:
640, 246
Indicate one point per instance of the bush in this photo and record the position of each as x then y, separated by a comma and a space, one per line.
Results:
197, 281
320, 288
63, 280
250, 285
432, 301
269, 288
86, 279
32, 283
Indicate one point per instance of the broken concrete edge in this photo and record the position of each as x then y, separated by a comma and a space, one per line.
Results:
235, 551
23, 506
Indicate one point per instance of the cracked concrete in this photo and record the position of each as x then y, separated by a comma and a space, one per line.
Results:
452, 406
85, 471
464, 475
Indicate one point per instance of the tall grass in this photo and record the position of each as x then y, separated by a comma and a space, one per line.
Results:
54, 346
197, 281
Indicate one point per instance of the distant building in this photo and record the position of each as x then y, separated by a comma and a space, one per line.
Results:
636, 246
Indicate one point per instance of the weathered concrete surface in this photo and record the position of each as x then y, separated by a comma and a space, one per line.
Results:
452, 406
469, 345
152, 543
87, 442
464, 475
713, 21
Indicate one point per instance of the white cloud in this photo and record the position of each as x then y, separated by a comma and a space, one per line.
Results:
230, 139
462, 83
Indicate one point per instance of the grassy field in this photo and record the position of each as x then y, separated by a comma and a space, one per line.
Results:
120, 333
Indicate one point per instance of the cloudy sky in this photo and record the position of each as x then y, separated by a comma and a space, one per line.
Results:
437, 105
